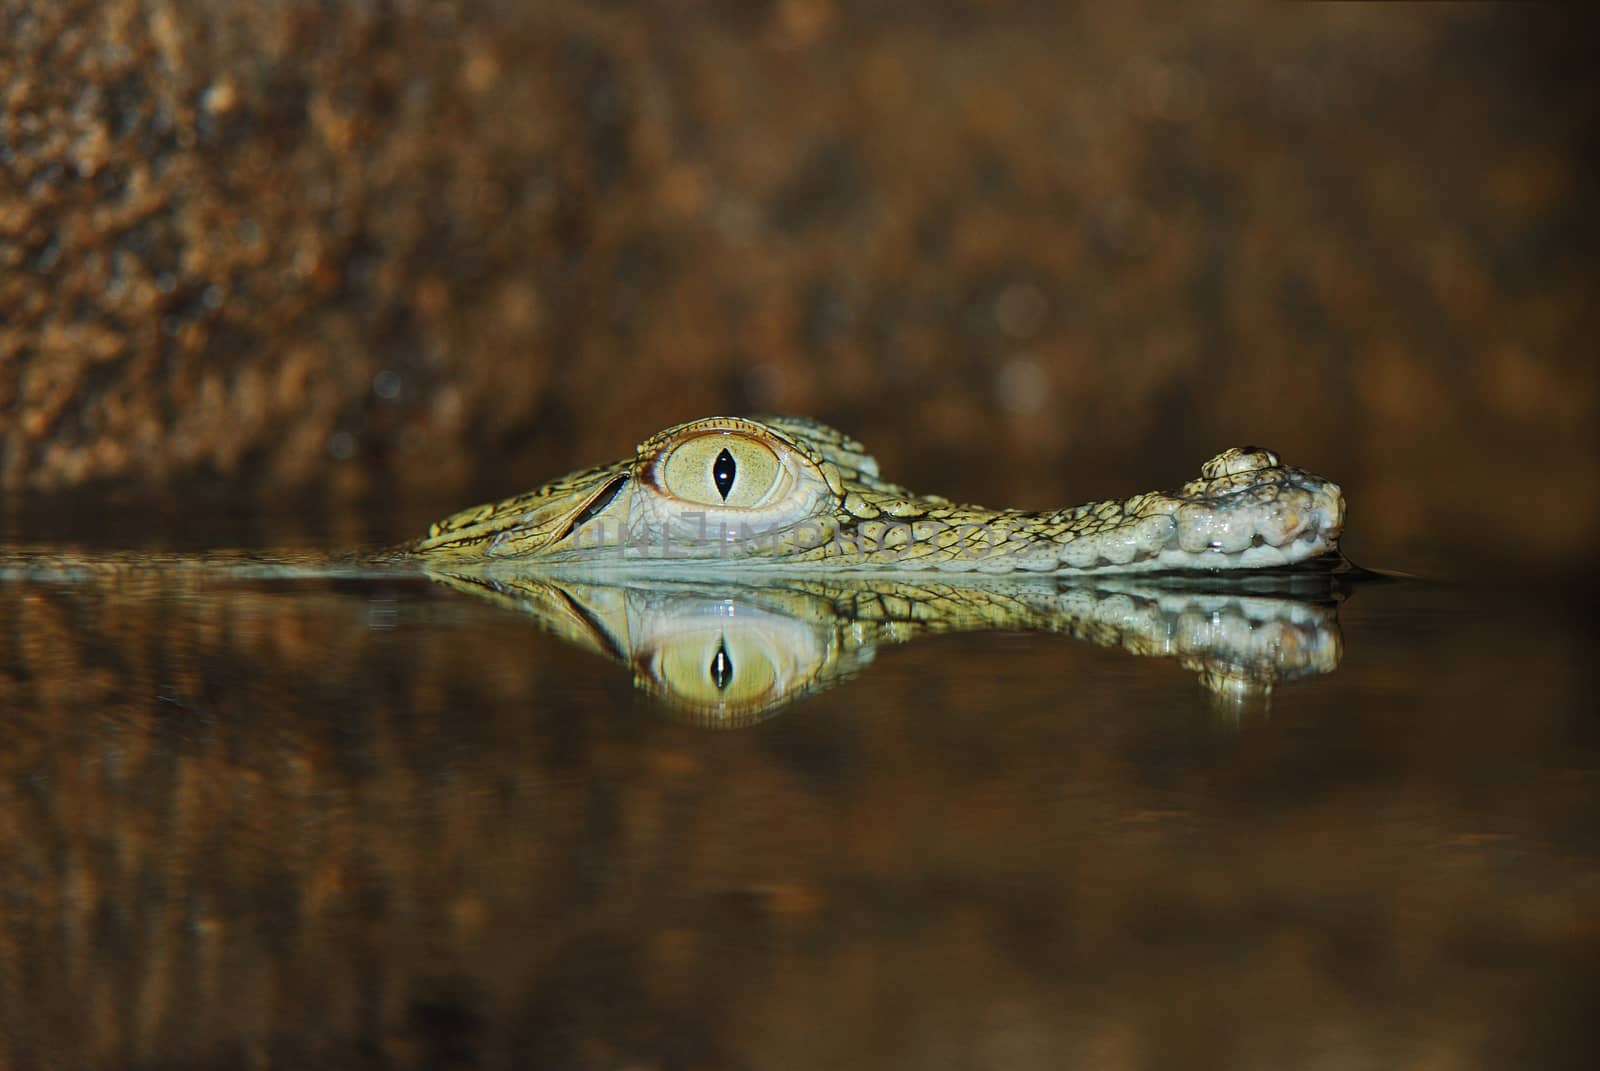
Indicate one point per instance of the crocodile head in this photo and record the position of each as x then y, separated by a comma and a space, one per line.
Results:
730, 492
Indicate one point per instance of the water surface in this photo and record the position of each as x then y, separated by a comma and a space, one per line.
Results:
385, 823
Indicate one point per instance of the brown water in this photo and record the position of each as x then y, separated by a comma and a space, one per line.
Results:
381, 823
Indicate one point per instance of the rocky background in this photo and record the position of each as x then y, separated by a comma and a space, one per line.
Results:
402, 255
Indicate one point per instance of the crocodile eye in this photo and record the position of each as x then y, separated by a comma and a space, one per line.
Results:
725, 470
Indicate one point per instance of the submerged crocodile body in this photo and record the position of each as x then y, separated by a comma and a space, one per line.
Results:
793, 494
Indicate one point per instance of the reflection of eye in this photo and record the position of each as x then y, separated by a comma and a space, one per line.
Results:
722, 470
721, 666
718, 667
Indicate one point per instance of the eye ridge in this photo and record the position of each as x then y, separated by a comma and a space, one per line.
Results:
721, 666
723, 470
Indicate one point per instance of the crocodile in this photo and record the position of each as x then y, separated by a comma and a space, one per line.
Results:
737, 564
793, 494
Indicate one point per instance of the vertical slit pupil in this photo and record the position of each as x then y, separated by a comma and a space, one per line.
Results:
723, 471
721, 667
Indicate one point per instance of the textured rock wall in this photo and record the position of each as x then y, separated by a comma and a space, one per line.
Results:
1029, 253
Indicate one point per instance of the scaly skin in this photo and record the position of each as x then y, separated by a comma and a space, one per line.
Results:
828, 510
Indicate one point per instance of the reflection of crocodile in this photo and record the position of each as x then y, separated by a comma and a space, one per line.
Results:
728, 654
786, 492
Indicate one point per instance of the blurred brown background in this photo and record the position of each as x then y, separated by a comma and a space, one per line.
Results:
404, 255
